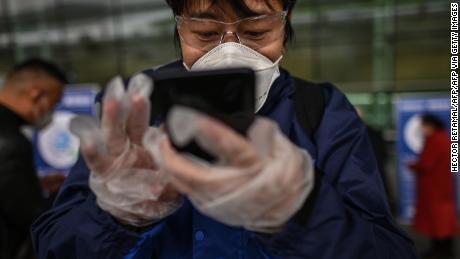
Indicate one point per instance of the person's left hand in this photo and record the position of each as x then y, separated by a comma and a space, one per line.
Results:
258, 183
123, 175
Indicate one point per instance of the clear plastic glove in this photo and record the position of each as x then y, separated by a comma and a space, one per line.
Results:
259, 183
124, 176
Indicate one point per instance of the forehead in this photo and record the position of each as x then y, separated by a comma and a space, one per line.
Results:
230, 10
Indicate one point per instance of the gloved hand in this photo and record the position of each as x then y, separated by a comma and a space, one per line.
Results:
258, 183
124, 177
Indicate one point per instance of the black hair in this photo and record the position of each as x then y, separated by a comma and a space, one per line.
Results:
433, 121
179, 6
39, 65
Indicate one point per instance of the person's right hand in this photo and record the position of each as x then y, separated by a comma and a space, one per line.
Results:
124, 176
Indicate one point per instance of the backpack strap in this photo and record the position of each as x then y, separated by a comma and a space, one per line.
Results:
309, 102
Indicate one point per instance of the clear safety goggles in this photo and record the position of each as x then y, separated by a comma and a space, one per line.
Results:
254, 32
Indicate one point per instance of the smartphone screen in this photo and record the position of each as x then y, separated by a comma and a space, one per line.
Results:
227, 95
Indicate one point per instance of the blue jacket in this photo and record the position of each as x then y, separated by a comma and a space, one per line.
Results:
347, 217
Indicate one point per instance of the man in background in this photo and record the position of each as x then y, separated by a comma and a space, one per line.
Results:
27, 98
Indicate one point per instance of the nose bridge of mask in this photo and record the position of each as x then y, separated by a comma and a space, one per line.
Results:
232, 54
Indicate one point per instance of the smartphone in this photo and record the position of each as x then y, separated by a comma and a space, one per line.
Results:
227, 95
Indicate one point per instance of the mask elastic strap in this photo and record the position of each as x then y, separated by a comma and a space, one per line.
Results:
278, 60
186, 67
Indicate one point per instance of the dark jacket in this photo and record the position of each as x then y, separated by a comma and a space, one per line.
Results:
21, 200
347, 217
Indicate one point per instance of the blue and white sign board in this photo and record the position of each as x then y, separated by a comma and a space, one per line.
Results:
410, 142
56, 149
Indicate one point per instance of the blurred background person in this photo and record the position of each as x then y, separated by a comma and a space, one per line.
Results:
27, 98
435, 215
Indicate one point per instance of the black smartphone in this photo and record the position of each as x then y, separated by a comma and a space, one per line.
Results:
227, 95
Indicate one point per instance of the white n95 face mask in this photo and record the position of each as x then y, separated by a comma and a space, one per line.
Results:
236, 55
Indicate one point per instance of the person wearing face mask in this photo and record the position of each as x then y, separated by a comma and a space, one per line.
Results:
27, 98
278, 193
